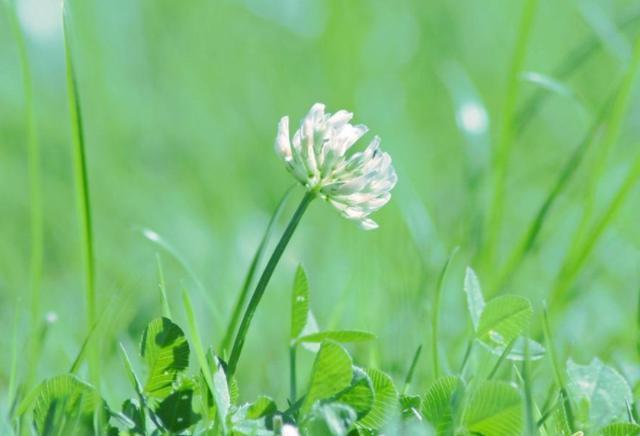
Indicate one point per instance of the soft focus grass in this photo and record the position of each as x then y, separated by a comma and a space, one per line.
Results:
180, 104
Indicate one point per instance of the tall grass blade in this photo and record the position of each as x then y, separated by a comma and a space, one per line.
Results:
248, 280
572, 260
557, 373
528, 240
572, 63
82, 192
162, 285
36, 222
507, 133
161, 242
412, 368
13, 368
592, 237
202, 360
435, 316
530, 423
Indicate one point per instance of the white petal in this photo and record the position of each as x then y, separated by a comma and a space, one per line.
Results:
368, 224
283, 145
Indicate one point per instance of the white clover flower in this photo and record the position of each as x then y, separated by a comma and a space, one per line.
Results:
356, 185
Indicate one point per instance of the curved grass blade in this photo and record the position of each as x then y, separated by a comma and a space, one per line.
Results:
557, 373
212, 380
576, 59
161, 242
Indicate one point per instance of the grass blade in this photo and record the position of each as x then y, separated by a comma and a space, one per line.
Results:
576, 59
162, 285
435, 318
175, 254
82, 193
202, 360
598, 228
557, 373
412, 368
507, 133
580, 240
528, 240
36, 221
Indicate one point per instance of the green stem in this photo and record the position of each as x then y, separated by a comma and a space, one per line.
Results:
292, 373
82, 197
244, 292
264, 281
507, 133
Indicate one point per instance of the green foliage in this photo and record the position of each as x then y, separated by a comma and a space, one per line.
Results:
621, 429
165, 350
360, 395
441, 402
494, 408
331, 373
599, 392
342, 336
504, 319
66, 405
385, 402
299, 303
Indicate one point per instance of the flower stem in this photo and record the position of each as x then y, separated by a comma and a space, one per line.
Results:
264, 281
292, 373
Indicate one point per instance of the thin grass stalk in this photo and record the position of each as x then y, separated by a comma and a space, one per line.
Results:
412, 368
528, 240
36, 222
162, 285
501, 359
612, 133
435, 316
576, 58
248, 280
557, 373
261, 286
82, 195
507, 133
35, 172
202, 360
590, 240
530, 423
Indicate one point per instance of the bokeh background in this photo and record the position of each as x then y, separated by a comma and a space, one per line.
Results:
180, 103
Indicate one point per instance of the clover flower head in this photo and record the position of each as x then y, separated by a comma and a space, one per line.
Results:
357, 184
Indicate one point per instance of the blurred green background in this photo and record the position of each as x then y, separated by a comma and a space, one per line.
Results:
181, 100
